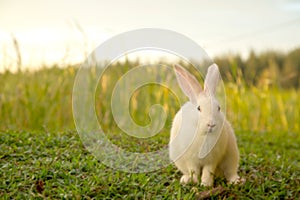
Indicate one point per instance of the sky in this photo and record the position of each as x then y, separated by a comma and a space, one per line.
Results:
65, 31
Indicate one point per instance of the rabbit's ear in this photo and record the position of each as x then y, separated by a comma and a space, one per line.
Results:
188, 83
212, 79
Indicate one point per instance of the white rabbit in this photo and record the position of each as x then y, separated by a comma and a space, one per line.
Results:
201, 138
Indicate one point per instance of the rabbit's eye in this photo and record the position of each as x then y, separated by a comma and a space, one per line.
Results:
199, 108
219, 108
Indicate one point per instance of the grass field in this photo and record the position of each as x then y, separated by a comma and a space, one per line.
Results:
43, 157
56, 165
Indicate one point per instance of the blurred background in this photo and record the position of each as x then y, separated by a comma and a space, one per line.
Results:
255, 43
49, 32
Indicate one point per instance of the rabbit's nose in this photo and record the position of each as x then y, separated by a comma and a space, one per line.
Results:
211, 125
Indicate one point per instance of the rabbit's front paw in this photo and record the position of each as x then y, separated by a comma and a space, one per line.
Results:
188, 178
237, 180
207, 183
185, 179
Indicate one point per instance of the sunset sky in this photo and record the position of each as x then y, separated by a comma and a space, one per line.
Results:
47, 31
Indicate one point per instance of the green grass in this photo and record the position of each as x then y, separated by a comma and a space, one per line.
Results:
41, 155
56, 165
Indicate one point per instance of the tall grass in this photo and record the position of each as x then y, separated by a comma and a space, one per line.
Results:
43, 100
263, 109
37, 100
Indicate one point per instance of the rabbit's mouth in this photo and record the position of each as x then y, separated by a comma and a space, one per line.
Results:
209, 130
210, 127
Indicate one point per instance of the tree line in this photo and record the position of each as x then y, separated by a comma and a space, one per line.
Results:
271, 68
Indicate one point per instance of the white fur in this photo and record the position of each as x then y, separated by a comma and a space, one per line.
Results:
195, 146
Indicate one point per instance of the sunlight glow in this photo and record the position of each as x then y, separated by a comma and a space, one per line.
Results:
47, 46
